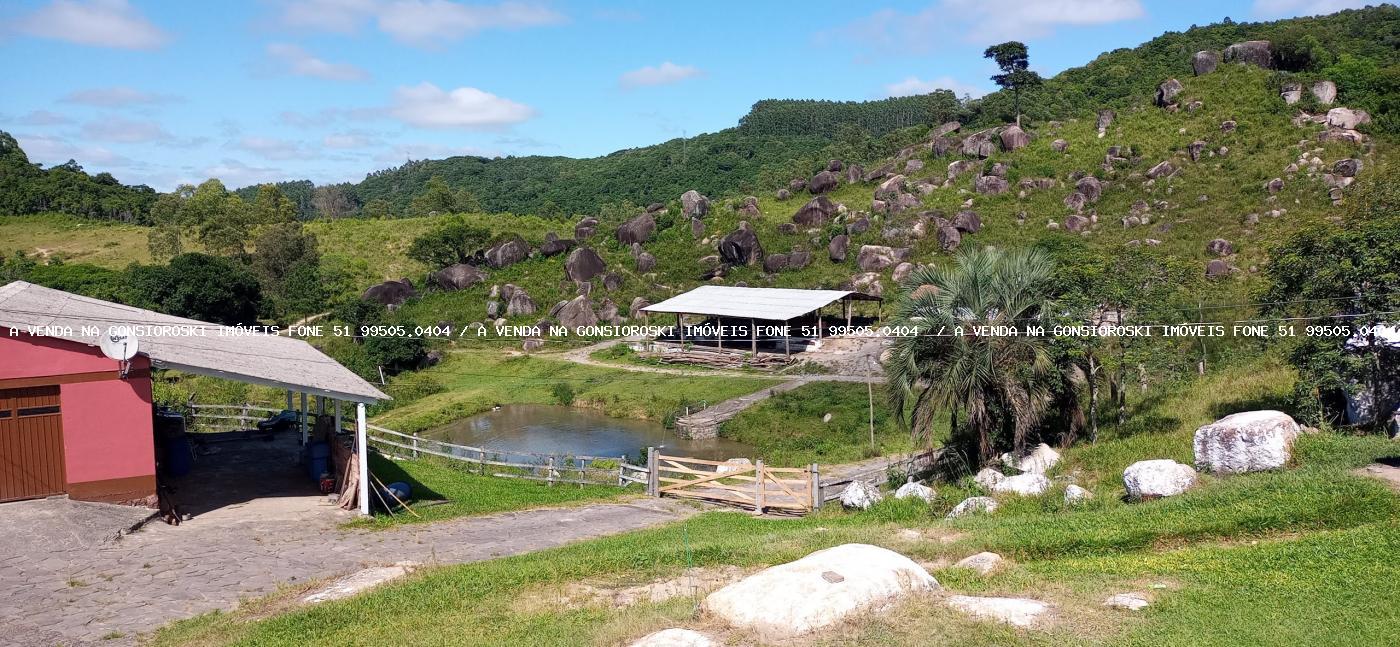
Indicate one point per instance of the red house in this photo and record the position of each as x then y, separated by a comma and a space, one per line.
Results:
71, 423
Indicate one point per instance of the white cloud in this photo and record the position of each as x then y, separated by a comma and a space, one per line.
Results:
914, 85
43, 118
982, 22
417, 22
125, 131
49, 150
272, 148
116, 96
295, 60
350, 140
663, 74
234, 173
427, 106
99, 23
1286, 8
405, 152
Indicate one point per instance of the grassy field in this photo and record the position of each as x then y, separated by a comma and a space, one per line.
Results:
1299, 557
789, 426
475, 379
442, 490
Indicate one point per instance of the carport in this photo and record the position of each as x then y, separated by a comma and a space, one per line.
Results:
98, 441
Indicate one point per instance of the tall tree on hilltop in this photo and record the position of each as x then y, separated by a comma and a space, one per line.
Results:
332, 201
1014, 61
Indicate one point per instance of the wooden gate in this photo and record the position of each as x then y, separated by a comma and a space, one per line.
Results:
746, 485
31, 443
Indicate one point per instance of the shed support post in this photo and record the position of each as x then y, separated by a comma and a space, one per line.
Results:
680, 325
819, 323
337, 416
816, 485
758, 486
848, 316
362, 445
719, 332
787, 339
304, 433
753, 338
290, 406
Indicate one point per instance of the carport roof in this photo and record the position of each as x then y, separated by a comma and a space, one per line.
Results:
218, 351
768, 304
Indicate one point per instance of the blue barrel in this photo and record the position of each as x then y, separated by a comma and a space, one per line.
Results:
179, 458
400, 490
318, 459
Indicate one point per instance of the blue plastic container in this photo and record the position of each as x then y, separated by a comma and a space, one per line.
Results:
318, 459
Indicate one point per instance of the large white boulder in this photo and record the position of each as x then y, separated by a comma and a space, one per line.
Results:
1246, 442
988, 478
675, 638
1018, 612
1028, 484
1157, 478
1038, 460
914, 490
819, 590
973, 505
860, 495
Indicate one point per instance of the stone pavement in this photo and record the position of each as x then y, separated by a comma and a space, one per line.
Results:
66, 588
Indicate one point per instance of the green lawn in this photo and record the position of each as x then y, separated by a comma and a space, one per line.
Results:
1298, 557
789, 431
474, 379
442, 491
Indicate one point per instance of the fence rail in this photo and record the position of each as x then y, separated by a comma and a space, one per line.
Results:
746, 485
531, 466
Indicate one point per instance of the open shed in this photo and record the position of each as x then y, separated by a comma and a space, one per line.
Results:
779, 306
73, 422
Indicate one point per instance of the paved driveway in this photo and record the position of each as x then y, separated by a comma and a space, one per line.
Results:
69, 582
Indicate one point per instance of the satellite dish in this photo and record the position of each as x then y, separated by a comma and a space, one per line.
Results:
118, 343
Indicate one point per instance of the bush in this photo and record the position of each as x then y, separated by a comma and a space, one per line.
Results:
563, 393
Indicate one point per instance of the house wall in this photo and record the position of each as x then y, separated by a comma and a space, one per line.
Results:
108, 447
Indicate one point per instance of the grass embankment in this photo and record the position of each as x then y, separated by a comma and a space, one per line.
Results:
1295, 557
474, 380
789, 428
444, 490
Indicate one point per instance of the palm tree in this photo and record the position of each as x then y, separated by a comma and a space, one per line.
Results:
1002, 382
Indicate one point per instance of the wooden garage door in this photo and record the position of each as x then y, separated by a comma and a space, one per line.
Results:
31, 443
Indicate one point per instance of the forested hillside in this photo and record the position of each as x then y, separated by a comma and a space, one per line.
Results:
26, 188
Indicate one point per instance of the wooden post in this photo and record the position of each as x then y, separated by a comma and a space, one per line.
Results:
848, 316
362, 444
304, 432
787, 339
549, 473
481, 464
337, 416
680, 326
758, 487
819, 323
415, 445
753, 338
815, 483
719, 332
652, 477
621, 470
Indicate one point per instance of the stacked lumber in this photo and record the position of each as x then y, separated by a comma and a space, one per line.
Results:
713, 359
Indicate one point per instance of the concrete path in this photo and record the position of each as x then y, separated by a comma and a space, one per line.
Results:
65, 588
705, 423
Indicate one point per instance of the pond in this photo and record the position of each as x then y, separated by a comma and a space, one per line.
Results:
550, 429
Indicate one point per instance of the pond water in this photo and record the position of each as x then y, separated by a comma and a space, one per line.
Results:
549, 429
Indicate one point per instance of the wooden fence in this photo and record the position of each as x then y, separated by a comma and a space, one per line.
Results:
747, 485
918, 465
230, 417
549, 468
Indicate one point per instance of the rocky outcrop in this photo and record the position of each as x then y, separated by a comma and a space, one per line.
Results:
1157, 478
646, 262
458, 277
636, 230
1059, 145
860, 495
1017, 612
854, 173
1251, 52
1038, 460
1246, 442
967, 221
774, 263
585, 228
983, 562
1324, 91
1220, 247
1105, 119
612, 281
1291, 93
1013, 138
1075, 494
874, 258
816, 212
1076, 201
1217, 268
901, 272
823, 182
750, 208
820, 590
1167, 92
836, 249
973, 505
390, 293
949, 238
912, 490
1346, 118
1193, 150
741, 246
1204, 62
988, 478
1162, 169
518, 302
553, 245
694, 205
508, 252
1090, 187
991, 185
979, 144
577, 312
583, 264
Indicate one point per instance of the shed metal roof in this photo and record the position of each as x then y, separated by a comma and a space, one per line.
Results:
222, 351
768, 304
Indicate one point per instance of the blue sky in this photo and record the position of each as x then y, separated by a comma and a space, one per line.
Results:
167, 92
